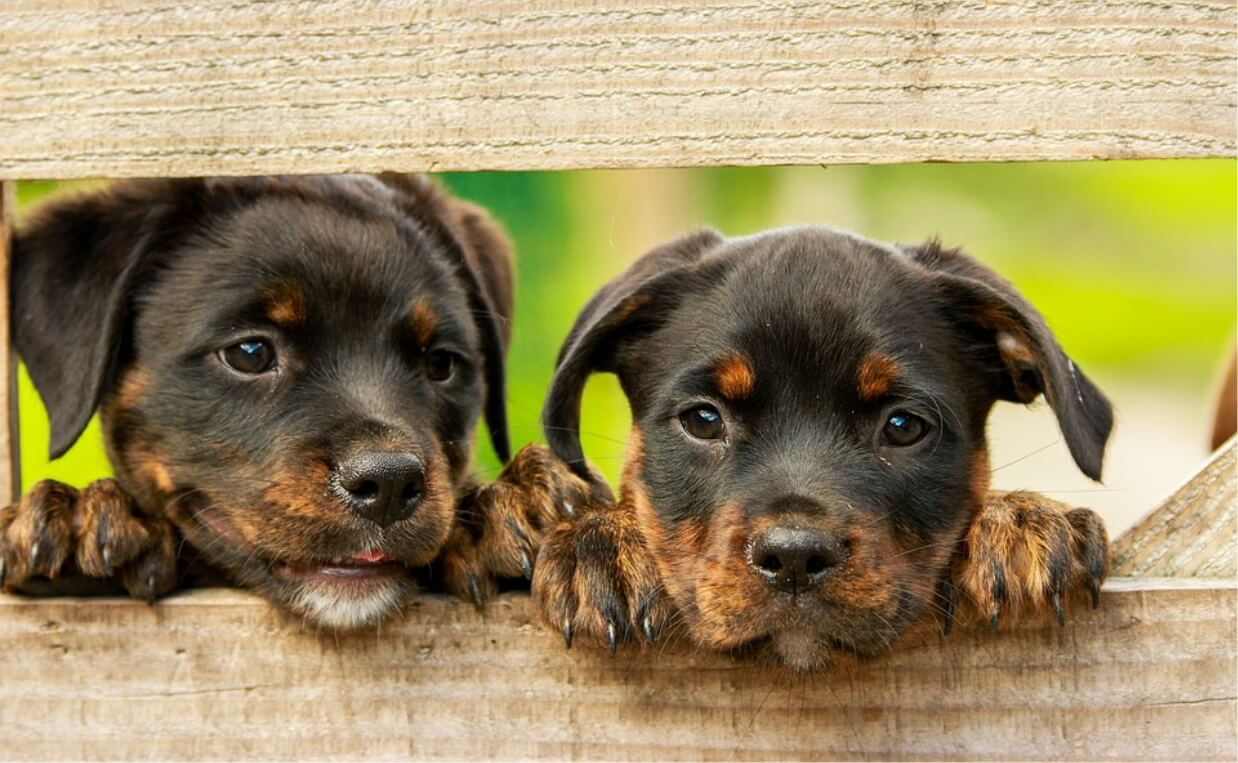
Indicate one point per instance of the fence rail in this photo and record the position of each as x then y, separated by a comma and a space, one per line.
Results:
156, 87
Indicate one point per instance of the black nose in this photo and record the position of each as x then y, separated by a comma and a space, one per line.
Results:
382, 487
793, 559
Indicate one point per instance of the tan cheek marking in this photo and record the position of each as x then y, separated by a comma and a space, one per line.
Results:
132, 388
423, 320
877, 374
980, 476
285, 305
734, 376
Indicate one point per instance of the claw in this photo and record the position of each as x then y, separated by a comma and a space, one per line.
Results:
101, 541
650, 635
1094, 587
475, 591
569, 509
567, 632
526, 565
1057, 609
612, 635
995, 618
2, 571
150, 589
952, 599
34, 556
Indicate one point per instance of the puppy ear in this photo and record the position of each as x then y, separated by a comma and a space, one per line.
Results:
74, 267
488, 269
1012, 337
484, 263
632, 304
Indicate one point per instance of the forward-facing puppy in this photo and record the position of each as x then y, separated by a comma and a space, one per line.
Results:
807, 472
290, 372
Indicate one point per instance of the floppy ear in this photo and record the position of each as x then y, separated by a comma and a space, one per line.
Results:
484, 264
74, 267
1012, 337
634, 303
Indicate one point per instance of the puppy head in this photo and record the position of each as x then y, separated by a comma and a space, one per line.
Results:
291, 369
809, 425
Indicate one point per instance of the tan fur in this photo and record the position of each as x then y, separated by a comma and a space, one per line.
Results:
876, 375
423, 320
1013, 547
502, 523
734, 376
285, 305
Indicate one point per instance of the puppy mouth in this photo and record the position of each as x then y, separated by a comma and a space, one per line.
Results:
359, 568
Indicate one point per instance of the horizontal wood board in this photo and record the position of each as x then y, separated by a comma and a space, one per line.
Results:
154, 87
219, 674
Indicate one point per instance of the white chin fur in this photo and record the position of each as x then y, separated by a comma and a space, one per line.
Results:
343, 609
799, 649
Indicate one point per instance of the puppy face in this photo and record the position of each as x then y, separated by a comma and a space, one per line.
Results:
290, 370
809, 412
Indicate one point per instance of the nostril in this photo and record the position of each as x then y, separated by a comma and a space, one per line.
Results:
367, 490
411, 491
770, 563
816, 564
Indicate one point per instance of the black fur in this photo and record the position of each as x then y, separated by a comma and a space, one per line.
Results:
143, 283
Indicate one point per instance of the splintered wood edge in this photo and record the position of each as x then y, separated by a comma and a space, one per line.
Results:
220, 674
1193, 532
163, 88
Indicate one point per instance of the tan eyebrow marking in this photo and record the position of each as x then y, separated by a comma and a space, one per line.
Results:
285, 304
423, 320
877, 373
734, 376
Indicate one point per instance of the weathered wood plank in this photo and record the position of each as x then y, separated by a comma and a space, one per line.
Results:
218, 674
1194, 532
155, 87
10, 442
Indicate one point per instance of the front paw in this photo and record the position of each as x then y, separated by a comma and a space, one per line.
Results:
596, 580
501, 524
1025, 553
98, 528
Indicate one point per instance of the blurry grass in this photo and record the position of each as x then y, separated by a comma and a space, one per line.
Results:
1132, 263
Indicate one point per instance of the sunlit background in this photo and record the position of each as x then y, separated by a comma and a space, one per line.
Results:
1132, 263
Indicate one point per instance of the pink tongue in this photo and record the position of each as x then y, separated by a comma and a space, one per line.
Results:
371, 557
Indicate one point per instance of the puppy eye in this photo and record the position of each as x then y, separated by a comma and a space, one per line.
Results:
440, 365
252, 357
703, 422
902, 429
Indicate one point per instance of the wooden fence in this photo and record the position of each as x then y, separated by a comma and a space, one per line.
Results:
154, 87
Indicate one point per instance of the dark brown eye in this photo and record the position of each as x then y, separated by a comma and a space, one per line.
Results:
252, 357
703, 422
440, 365
903, 429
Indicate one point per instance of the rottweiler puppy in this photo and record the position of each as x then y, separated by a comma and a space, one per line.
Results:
289, 372
807, 472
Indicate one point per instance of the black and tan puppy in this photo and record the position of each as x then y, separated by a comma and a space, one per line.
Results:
290, 372
807, 472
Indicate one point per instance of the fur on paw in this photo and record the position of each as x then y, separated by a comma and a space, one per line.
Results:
596, 580
1025, 554
98, 529
500, 525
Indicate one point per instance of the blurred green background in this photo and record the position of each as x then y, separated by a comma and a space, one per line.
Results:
1132, 263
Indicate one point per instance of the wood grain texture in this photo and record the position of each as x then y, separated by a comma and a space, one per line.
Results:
10, 441
1194, 532
218, 674
156, 87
